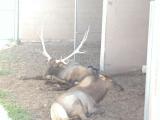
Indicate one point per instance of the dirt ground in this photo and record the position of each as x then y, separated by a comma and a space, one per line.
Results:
37, 96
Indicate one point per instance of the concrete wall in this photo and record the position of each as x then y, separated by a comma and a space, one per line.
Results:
58, 19
126, 35
56, 16
7, 19
90, 13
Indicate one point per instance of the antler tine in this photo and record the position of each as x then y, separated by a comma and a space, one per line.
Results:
77, 51
45, 53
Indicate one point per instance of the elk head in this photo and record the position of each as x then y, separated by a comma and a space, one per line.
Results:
54, 66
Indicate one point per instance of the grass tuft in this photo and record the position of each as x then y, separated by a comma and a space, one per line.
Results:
15, 111
5, 72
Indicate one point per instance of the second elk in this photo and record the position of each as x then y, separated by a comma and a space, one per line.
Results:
82, 100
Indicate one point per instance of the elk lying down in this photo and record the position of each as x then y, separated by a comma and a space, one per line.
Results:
68, 73
60, 70
81, 101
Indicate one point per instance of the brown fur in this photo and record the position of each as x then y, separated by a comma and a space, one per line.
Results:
71, 73
99, 85
87, 94
66, 75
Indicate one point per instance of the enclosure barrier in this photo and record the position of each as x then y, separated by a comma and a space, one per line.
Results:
152, 93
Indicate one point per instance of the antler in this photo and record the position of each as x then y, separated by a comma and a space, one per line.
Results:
77, 51
45, 53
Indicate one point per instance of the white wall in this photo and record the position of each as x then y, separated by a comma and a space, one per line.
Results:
89, 13
7, 19
56, 15
126, 35
59, 18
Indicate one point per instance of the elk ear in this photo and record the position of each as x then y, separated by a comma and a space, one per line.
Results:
102, 77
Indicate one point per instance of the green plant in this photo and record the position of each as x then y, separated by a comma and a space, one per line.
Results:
5, 71
15, 111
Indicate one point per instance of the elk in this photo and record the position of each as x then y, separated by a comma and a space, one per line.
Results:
81, 101
63, 72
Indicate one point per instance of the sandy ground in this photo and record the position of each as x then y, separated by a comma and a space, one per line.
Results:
37, 97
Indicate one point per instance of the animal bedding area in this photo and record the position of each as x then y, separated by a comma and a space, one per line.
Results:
36, 96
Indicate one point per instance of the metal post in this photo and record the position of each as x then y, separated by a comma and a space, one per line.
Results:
75, 27
103, 35
148, 75
17, 22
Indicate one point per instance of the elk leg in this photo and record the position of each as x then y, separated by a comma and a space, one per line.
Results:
98, 109
79, 110
30, 78
59, 80
62, 87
